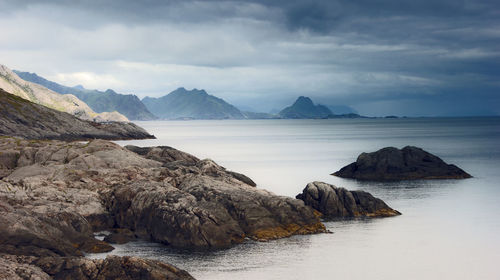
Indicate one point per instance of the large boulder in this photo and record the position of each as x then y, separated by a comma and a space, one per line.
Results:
335, 202
391, 164
204, 212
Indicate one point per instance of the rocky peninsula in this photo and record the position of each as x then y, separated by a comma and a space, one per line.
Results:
22, 118
54, 195
392, 164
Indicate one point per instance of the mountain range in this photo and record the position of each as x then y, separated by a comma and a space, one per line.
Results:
11, 82
178, 104
107, 101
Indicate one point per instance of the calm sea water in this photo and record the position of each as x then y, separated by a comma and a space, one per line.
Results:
450, 229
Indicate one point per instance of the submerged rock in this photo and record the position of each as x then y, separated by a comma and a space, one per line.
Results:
409, 163
335, 202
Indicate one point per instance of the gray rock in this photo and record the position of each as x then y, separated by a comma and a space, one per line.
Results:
409, 163
171, 157
24, 232
18, 268
335, 202
164, 154
77, 268
120, 236
175, 199
204, 212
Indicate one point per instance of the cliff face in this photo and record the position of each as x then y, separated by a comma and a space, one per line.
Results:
107, 101
38, 94
22, 118
191, 104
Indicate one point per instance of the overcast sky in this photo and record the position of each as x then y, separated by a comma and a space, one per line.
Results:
420, 57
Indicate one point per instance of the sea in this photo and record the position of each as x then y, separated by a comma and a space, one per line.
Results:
449, 229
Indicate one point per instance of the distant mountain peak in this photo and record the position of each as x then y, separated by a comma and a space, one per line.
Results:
80, 87
191, 104
304, 108
304, 100
184, 91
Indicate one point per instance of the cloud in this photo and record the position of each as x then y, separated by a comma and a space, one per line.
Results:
89, 79
357, 53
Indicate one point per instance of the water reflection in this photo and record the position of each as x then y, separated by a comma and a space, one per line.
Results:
246, 256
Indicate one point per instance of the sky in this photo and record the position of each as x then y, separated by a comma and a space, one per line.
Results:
413, 58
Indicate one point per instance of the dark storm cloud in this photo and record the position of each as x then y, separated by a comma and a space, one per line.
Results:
372, 54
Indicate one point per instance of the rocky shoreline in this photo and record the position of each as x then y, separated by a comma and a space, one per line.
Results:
54, 195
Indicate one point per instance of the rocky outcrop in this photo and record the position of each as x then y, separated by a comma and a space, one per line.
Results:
54, 195
49, 197
38, 94
177, 199
19, 117
164, 154
74, 268
172, 157
38, 233
409, 163
335, 202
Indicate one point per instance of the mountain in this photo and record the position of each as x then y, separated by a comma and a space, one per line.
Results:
191, 104
108, 101
68, 103
22, 118
304, 108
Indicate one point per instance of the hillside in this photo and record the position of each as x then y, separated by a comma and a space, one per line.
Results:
108, 101
22, 118
304, 108
68, 103
191, 104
